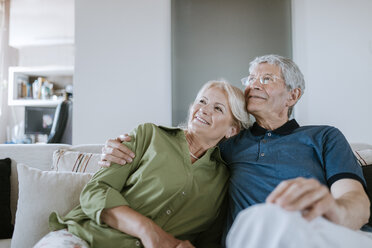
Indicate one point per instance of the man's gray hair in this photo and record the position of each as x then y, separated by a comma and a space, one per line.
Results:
292, 75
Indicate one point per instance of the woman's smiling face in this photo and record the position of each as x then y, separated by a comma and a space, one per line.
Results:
211, 115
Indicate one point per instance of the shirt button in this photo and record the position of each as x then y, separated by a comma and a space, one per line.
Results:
262, 154
183, 193
138, 243
269, 134
168, 212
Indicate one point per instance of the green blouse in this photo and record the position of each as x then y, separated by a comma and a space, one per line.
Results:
186, 200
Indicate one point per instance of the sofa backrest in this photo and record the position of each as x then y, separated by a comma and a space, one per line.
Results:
38, 156
41, 156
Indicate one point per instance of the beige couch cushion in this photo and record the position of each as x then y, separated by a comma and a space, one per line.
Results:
5, 243
37, 156
40, 193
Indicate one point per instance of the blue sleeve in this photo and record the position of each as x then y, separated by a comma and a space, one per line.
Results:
339, 159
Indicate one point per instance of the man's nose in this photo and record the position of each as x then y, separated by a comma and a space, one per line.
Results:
256, 84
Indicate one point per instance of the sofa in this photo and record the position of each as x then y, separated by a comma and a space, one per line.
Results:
41, 159
38, 156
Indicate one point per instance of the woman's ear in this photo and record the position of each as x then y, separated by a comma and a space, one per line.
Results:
233, 130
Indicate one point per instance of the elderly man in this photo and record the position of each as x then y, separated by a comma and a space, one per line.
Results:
309, 170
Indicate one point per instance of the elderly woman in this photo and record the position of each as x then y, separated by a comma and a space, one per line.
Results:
172, 194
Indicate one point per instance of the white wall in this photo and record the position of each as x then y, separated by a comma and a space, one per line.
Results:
8, 57
61, 55
122, 67
332, 44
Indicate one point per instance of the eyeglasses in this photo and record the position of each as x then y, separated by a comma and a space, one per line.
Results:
263, 79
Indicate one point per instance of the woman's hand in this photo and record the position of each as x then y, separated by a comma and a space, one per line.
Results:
129, 221
155, 237
185, 244
115, 152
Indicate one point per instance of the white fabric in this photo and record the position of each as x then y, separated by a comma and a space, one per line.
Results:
269, 226
40, 193
61, 239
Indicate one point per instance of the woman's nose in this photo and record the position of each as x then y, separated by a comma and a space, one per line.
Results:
205, 109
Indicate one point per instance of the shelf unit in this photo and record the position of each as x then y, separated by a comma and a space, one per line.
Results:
59, 75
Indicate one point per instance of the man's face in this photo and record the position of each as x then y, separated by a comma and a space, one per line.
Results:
267, 100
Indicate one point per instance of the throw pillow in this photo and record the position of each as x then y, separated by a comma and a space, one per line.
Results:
40, 193
6, 227
65, 160
364, 156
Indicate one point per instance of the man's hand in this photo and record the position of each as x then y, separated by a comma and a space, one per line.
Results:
346, 204
306, 195
115, 152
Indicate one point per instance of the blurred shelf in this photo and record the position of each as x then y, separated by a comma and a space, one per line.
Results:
32, 102
60, 76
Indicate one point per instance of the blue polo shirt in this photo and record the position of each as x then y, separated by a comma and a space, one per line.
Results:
260, 159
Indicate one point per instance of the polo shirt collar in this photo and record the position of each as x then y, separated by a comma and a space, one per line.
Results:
286, 129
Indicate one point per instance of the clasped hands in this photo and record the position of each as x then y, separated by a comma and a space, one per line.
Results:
306, 195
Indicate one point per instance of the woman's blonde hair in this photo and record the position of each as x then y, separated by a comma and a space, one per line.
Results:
236, 99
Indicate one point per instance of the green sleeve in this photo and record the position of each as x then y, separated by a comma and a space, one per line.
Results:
104, 189
212, 238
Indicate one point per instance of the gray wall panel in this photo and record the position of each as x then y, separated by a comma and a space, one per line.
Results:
214, 39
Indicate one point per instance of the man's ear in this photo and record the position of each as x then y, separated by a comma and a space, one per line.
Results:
294, 96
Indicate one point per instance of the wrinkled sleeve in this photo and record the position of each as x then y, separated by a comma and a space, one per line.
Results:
104, 189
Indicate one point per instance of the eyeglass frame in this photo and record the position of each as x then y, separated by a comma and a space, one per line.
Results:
245, 80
